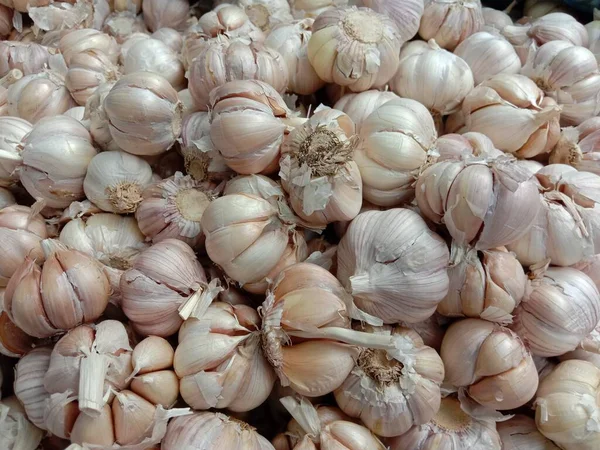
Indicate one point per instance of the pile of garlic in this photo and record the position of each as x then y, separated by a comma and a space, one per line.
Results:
299, 225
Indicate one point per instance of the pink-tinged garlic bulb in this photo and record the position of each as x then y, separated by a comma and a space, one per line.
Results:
222, 60
16, 431
39, 95
27, 57
450, 22
6, 198
220, 360
98, 119
78, 41
396, 143
87, 71
387, 277
170, 37
575, 90
228, 19
513, 112
212, 431
318, 171
567, 406
441, 90
21, 231
152, 55
406, 13
29, 383
560, 310
360, 106
44, 301
12, 132
577, 146
495, 20
488, 55
144, 113
165, 282
165, 13
487, 285
451, 428
500, 209
389, 395
491, 362
122, 25
291, 41
355, 47
56, 155
246, 126
521, 433
173, 208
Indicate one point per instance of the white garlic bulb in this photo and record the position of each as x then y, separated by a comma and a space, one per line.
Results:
359, 106
129, 42
170, 37
78, 41
165, 13
450, 22
88, 70
12, 132
16, 431
593, 30
228, 19
28, 57
406, 13
29, 383
577, 146
265, 14
495, 20
521, 433
98, 120
152, 55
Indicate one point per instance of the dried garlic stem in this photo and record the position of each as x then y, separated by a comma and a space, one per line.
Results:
92, 373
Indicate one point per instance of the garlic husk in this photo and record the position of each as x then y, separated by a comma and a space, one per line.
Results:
521, 433
6, 25
495, 20
381, 270
588, 349
170, 37
359, 106
152, 55
121, 25
112, 239
441, 90
116, 180
6, 198
567, 406
396, 143
60, 16
317, 170
14, 342
126, 5
78, 41
28, 57
144, 113
165, 13
355, 47
29, 383
16, 431
12, 132
87, 71
577, 146
450, 22
228, 19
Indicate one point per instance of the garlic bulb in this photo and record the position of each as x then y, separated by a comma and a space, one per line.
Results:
6, 25
360, 106
27, 57
43, 302
230, 20
389, 395
6, 198
129, 42
78, 41
593, 30
567, 405
16, 431
577, 146
393, 265
173, 208
88, 70
441, 90
540, 8
291, 41
212, 431
265, 14
56, 154
246, 126
29, 383
450, 22
406, 13
451, 428
77, 113
39, 95
521, 433
588, 348
165, 13
144, 113
488, 55
302, 9
575, 90
222, 60
165, 282
60, 16
121, 25
115, 181
98, 120
152, 55
12, 132
495, 20
170, 37
21, 231
355, 47
559, 311
317, 169
14, 342
491, 362
396, 143
114, 240
460, 146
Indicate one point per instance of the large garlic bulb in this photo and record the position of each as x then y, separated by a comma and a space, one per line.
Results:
152, 55
577, 146
78, 41
521, 433
495, 20
12, 132
359, 106
450, 22
393, 265
87, 71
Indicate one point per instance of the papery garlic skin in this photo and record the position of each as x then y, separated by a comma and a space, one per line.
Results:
165, 13
144, 113
450, 22
16, 431
567, 405
354, 47
29, 383
152, 55
98, 120
379, 267
27, 57
88, 70
12, 132
78, 41
360, 106
577, 146
521, 433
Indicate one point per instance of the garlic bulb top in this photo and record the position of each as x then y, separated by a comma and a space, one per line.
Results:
77, 41
230, 20
152, 55
355, 47
577, 146
406, 13
359, 106
12, 132
521, 433
165, 13
450, 22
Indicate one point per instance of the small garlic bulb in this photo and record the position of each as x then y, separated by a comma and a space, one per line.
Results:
144, 113
78, 41
488, 55
396, 143
98, 120
451, 428
441, 91
165, 13
56, 155
152, 55
212, 431
491, 362
560, 310
521, 433
88, 70
230, 20
317, 169
450, 22
27, 57
567, 406
355, 47
388, 277
360, 106
406, 13
16, 431
115, 181
12, 132
246, 126
170, 37
577, 146
6, 198
29, 383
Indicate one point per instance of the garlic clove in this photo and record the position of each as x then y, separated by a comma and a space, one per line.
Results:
152, 354
133, 417
94, 430
159, 388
